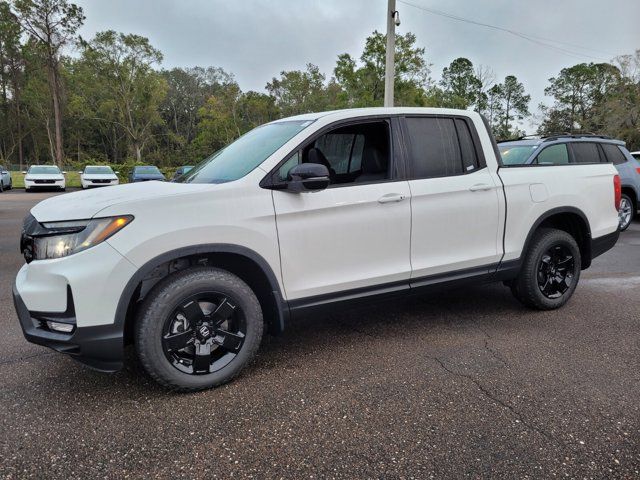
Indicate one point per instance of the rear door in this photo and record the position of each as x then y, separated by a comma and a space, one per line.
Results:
454, 198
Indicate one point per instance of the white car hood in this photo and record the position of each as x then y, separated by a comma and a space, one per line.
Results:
43, 176
87, 204
99, 176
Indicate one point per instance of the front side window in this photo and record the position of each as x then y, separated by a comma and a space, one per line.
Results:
585, 152
553, 155
357, 153
242, 156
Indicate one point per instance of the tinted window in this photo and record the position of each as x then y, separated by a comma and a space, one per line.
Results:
147, 170
584, 152
515, 154
468, 150
433, 147
553, 155
613, 153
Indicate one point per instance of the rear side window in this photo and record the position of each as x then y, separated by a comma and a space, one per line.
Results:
553, 155
585, 152
614, 154
440, 147
468, 150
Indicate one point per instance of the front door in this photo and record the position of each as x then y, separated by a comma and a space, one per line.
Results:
356, 233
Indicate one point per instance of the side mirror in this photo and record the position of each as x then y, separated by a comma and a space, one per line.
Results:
64, 173
116, 172
80, 172
24, 172
308, 177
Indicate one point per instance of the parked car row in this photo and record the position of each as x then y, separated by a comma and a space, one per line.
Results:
92, 176
579, 149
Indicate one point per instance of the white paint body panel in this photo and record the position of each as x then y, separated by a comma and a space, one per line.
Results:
86, 180
316, 243
342, 238
58, 180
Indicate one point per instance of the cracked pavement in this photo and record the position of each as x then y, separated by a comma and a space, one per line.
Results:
463, 384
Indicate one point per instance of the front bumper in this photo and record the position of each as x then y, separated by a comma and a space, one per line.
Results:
83, 289
100, 347
33, 184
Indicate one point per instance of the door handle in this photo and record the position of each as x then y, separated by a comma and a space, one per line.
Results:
391, 197
480, 187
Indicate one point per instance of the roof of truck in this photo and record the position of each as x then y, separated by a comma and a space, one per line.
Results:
363, 112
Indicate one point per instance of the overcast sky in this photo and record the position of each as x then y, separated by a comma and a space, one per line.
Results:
256, 39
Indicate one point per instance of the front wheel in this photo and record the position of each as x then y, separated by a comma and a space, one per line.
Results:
625, 213
198, 328
550, 271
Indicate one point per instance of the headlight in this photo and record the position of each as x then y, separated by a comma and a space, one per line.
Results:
66, 238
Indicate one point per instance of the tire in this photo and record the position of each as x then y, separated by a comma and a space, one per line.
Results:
546, 261
167, 311
625, 213
10, 187
1, 187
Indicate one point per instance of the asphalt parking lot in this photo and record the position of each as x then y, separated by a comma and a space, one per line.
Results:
467, 384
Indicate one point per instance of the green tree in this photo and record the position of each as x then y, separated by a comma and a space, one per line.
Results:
578, 92
298, 91
510, 104
52, 24
363, 83
461, 87
122, 66
11, 79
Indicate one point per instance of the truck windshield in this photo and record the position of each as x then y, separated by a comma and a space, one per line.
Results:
240, 157
515, 154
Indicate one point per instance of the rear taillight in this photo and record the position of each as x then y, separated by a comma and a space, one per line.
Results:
617, 190
638, 169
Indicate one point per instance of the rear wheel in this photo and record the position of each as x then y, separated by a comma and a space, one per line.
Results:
550, 271
625, 213
1, 186
198, 329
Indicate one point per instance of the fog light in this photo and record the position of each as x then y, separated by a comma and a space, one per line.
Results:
60, 327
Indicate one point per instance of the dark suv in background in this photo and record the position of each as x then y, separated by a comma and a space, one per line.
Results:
580, 148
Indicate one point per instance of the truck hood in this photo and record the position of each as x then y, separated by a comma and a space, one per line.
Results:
87, 204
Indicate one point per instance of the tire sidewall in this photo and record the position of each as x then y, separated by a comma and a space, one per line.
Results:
547, 240
162, 301
622, 228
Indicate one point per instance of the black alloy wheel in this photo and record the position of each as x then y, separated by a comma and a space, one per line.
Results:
556, 271
204, 333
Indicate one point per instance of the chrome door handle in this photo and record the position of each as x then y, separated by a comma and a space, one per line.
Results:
480, 187
391, 197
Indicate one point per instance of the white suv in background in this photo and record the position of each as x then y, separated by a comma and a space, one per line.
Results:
302, 214
44, 176
98, 176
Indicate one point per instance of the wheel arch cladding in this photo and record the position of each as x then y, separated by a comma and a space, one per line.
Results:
252, 268
571, 220
632, 194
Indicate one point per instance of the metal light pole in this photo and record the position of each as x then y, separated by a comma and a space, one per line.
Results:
390, 65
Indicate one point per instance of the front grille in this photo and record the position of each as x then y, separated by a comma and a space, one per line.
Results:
44, 181
100, 181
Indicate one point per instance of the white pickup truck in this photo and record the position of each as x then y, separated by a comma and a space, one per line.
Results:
300, 214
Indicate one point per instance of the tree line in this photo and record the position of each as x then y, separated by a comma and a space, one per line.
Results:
111, 102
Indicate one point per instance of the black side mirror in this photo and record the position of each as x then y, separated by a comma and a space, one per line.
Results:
308, 177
